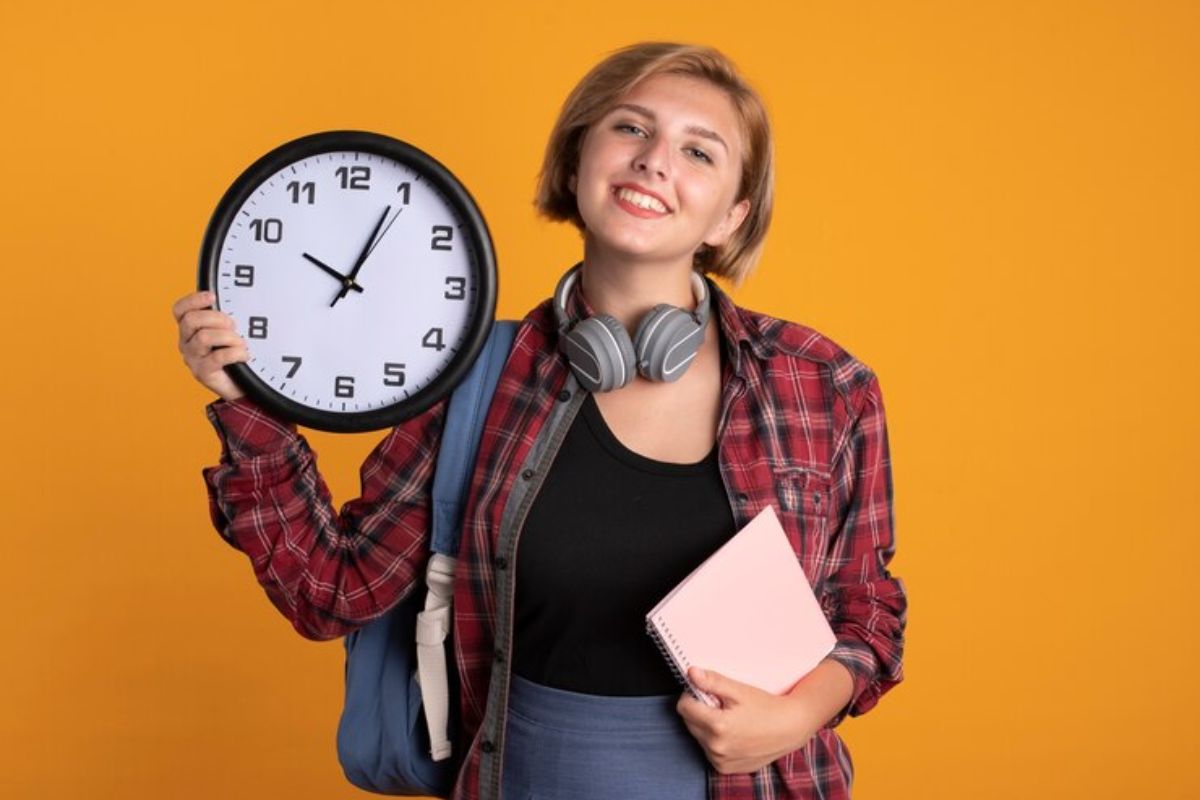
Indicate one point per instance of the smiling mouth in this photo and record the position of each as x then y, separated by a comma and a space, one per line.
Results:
639, 201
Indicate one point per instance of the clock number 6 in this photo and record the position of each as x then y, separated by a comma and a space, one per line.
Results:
343, 386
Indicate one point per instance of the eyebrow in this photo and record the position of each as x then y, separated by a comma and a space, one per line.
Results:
693, 129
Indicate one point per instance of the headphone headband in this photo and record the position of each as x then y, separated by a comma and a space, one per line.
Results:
602, 354
567, 281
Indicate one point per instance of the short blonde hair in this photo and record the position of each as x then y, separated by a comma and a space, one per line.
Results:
603, 86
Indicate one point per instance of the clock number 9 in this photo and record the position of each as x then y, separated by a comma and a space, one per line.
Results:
243, 275
441, 237
354, 177
343, 386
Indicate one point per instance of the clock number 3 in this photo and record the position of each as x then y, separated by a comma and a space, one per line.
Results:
457, 288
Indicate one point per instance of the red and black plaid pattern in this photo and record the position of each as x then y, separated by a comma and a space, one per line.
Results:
802, 428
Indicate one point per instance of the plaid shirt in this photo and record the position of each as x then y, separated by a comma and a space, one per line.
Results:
801, 427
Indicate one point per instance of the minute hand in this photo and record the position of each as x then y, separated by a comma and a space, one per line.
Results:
362, 257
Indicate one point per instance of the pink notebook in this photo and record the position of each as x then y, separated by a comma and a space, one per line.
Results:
747, 612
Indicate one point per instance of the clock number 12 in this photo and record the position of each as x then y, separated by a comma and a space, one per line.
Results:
354, 177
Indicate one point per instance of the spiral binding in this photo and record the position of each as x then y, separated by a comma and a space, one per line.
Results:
676, 660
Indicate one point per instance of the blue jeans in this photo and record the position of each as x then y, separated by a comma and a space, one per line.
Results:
561, 744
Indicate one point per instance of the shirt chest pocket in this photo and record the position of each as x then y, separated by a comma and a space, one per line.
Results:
803, 497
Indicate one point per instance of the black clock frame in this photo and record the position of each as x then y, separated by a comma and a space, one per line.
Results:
474, 230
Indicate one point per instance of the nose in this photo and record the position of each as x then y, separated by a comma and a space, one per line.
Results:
653, 157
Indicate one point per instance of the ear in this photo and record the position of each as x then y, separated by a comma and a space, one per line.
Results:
729, 224
572, 182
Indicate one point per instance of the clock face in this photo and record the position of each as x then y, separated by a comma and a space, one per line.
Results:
360, 274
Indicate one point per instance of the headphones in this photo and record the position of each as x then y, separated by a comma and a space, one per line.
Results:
603, 357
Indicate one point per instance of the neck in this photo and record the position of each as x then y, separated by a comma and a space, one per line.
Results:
627, 289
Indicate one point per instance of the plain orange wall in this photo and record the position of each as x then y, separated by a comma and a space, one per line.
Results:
994, 205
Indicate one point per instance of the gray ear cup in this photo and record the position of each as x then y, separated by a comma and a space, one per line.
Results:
666, 342
600, 353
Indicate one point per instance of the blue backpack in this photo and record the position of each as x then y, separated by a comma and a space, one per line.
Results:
382, 744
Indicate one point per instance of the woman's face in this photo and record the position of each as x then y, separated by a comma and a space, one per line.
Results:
659, 172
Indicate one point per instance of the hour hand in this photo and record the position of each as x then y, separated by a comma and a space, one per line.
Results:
345, 280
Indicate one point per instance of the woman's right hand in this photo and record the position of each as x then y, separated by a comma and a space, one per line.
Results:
209, 340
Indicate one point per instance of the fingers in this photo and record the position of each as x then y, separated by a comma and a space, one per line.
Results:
206, 339
191, 301
696, 712
726, 690
220, 358
194, 322
209, 342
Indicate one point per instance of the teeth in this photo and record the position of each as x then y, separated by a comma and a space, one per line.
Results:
641, 200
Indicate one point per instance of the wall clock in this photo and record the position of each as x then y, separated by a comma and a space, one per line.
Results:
361, 274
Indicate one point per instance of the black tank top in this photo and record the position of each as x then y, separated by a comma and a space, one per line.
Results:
609, 534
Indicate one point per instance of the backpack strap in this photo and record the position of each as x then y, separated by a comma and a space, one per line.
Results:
455, 464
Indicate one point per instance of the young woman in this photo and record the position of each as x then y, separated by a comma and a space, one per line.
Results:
641, 420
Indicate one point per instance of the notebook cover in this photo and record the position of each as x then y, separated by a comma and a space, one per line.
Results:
747, 612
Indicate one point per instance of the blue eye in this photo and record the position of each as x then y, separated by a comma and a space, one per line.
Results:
701, 154
627, 126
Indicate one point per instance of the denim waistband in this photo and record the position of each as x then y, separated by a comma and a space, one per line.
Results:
574, 711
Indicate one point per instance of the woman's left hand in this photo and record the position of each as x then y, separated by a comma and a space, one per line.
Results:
751, 729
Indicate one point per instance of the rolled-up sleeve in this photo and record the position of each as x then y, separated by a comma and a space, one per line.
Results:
869, 605
327, 571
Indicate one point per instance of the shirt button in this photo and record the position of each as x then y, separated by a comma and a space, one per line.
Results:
564, 396
501, 562
488, 746
817, 498
527, 474
742, 497
499, 656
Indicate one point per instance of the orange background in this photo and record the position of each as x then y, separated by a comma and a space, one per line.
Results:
994, 205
